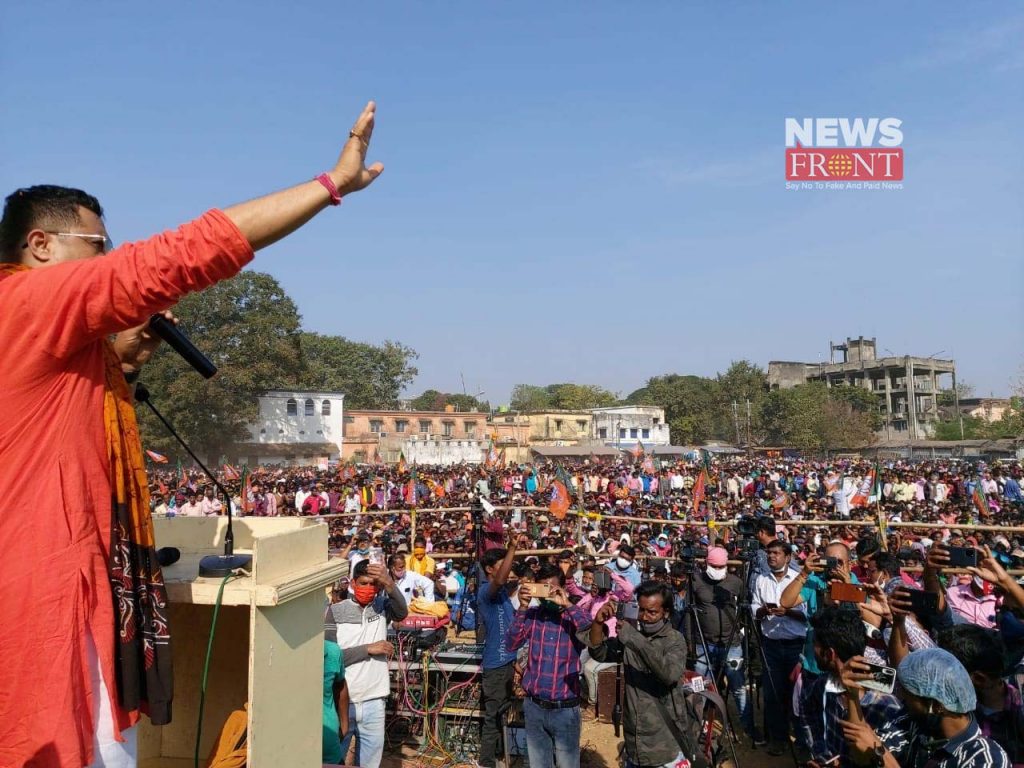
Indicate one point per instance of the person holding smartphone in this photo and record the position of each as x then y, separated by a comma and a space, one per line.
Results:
784, 631
551, 679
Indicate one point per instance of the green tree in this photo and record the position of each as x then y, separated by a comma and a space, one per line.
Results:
689, 403
813, 417
861, 400
527, 397
948, 397
433, 400
743, 381
369, 376
249, 328
571, 397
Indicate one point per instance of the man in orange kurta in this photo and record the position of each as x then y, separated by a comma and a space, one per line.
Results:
61, 296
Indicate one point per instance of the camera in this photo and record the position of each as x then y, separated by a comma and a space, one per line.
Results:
744, 549
689, 551
746, 526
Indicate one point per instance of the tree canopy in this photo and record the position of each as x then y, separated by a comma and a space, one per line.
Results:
529, 397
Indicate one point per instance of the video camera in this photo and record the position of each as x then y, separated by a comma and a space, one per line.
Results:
745, 545
746, 527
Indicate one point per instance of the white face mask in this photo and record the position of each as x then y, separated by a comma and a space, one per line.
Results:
623, 563
717, 574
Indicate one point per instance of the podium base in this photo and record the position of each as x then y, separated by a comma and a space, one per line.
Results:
219, 566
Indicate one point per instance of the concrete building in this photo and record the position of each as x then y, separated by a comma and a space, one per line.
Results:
907, 386
367, 433
519, 431
624, 425
990, 409
295, 428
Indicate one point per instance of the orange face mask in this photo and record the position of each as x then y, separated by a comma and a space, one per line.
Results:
419, 552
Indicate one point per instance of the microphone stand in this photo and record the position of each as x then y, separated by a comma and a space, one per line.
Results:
212, 566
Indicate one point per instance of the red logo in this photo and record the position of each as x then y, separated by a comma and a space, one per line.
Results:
844, 150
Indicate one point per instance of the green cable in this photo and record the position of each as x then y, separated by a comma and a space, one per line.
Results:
206, 669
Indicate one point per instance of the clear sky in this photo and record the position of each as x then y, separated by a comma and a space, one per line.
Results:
588, 192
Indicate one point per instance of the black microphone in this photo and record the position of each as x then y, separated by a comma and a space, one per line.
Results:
180, 343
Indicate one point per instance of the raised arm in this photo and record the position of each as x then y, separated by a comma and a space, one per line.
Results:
267, 219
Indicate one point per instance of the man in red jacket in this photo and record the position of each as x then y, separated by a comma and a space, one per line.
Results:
85, 647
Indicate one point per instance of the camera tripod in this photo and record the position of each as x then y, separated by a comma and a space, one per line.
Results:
691, 614
746, 623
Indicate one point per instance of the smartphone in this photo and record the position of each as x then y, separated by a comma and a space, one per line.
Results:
884, 679
540, 591
602, 579
771, 605
923, 603
830, 564
627, 611
963, 557
376, 556
847, 593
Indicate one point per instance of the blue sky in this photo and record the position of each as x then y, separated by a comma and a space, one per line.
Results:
587, 192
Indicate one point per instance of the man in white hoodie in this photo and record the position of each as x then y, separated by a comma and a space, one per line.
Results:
359, 624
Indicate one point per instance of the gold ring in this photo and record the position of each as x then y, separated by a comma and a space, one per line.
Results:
354, 135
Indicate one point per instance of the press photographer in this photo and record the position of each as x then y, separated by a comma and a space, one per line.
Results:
658, 728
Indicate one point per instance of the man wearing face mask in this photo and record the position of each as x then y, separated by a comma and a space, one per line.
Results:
938, 730
654, 657
359, 625
360, 552
419, 561
623, 565
716, 594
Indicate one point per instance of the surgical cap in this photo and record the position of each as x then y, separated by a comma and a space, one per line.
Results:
933, 673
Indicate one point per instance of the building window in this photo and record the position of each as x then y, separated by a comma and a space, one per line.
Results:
581, 426
655, 421
263, 431
622, 432
325, 408
645, 433
302, 431
448, 428
632, 432
558, 425
376, 426
293, 407
470, 427
425, 426
602, 433
310, 407
401, 425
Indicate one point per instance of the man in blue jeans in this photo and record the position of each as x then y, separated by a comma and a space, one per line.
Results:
716, 594
552, 676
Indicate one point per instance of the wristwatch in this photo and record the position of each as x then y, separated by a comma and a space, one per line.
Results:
878, 756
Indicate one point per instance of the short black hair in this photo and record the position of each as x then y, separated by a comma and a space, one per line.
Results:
677, 570
547, 571
766, 525
868, 546
841, 630
651, 587
492, 557
419, 540
626, 549
779, 544
888, 563
360, 569
44, 205
396, 559
977, 648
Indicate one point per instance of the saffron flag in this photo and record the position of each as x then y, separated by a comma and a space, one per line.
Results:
979, 500
781, 500
410, 494
401, 463
639, 450
865, 488
246, 493
699, 489
157, 458
559, 499
230, 473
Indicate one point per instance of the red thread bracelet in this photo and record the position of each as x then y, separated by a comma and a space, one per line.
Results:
324, 179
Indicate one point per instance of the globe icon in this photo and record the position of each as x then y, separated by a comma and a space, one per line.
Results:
839, 165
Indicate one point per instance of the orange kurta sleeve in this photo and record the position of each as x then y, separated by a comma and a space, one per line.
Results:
55, 493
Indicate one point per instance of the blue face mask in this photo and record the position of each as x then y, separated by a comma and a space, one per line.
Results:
363, 550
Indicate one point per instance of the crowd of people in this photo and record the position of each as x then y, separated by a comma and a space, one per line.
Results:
813, 594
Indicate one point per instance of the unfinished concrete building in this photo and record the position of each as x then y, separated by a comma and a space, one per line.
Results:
907, 386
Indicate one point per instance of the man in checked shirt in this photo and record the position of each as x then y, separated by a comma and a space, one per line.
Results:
552, 676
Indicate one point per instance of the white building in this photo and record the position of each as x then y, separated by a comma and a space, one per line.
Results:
295, 428
624, 425
442, 452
